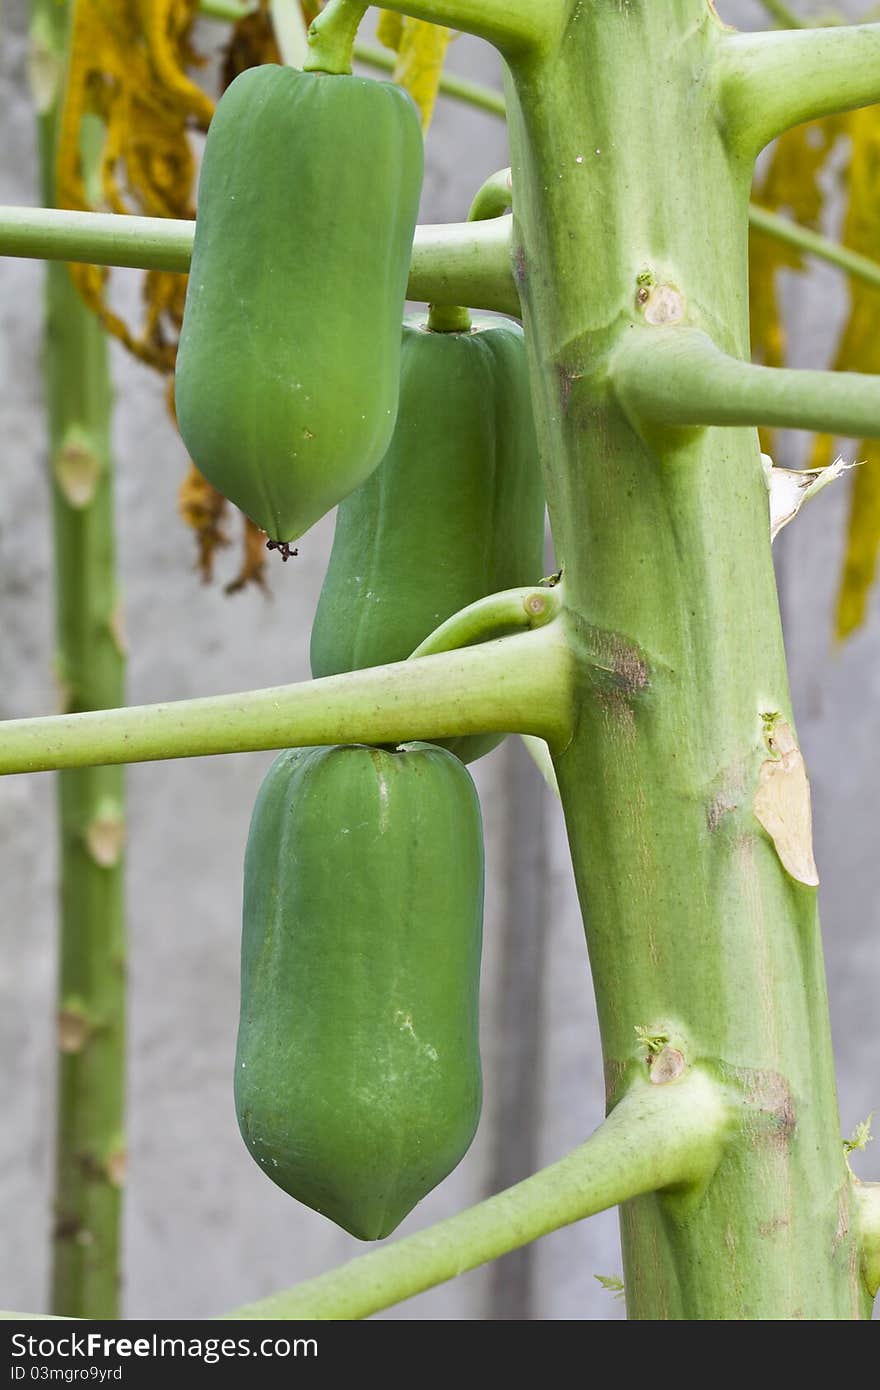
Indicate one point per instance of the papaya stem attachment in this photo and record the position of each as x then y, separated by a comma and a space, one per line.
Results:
449, 318
657, 1137
772, 81
497, 615
492, 200
519, 684
459, 262
678, 377
868, 1201
332, 35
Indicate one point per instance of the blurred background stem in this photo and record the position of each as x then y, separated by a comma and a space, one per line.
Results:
90, 1155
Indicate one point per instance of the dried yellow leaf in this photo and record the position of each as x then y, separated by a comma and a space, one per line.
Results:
203, 508
389, 29
253, 562
791, 183
421, 48
128, 62
859, 351
863, 544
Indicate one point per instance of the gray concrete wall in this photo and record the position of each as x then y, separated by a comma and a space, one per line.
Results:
204, 1230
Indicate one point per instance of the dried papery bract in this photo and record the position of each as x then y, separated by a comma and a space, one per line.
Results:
782, 804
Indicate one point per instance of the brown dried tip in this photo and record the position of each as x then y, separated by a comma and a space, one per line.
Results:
129, 65
283, 548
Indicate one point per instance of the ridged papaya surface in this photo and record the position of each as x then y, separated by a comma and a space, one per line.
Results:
288, 368
357, 1076
455, 510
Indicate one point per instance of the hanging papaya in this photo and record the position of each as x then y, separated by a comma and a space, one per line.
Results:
454, 512
357, 1076
288, 367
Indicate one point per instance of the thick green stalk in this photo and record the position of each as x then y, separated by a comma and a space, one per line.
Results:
458, 255
444, 317
517, 684
514, 26
448, 318
332, 36
97, 238
493, 198
693, 925
769, 82
665, 1136
465, 262
90, 1153
496, 615
678, 377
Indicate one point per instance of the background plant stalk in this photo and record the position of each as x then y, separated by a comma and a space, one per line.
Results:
89, 1164
623, 184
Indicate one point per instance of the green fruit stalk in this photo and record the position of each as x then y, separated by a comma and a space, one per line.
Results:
357, 1075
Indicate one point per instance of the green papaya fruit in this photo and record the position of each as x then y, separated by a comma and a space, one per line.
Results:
288, 367
455, 510
357, 1075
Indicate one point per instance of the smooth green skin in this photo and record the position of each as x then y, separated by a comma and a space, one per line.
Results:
357, 1075
90, 1096
454, 512
287, 374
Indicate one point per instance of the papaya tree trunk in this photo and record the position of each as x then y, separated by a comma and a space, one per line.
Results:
630, 210
90, 1155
